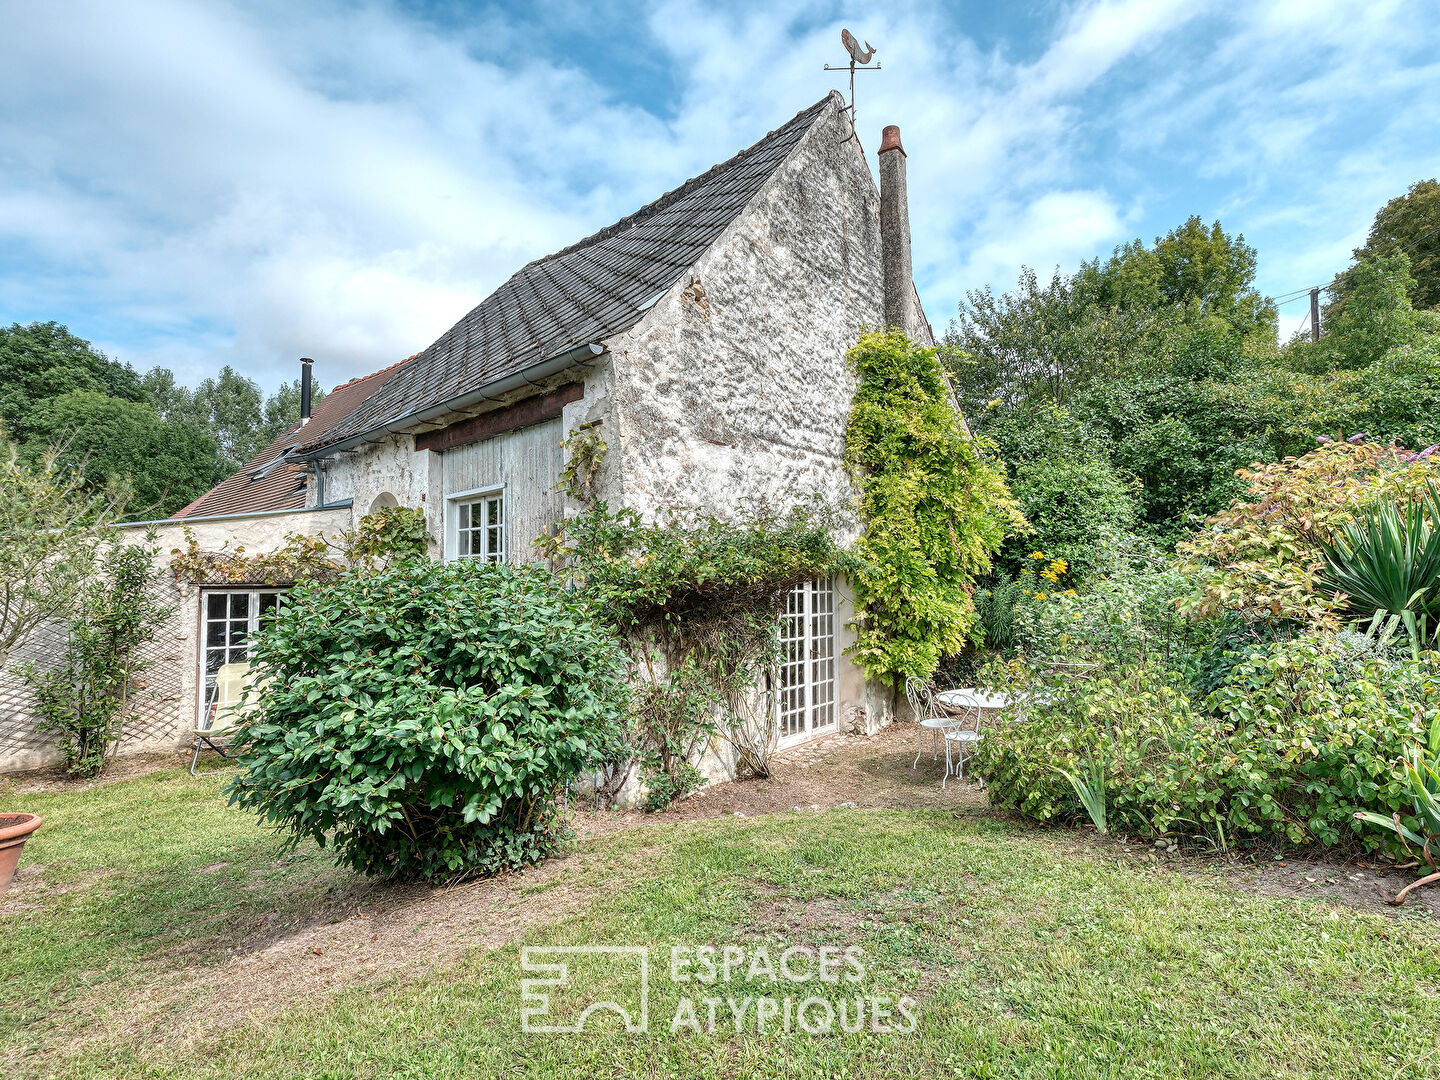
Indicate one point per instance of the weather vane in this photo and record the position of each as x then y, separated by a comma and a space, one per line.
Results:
859, 58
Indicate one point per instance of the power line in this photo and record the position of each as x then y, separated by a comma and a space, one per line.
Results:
1289, 298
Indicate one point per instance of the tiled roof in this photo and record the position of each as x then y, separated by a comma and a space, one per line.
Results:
256, 488
585, 293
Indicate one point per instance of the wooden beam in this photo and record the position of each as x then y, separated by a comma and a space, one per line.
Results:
533, 410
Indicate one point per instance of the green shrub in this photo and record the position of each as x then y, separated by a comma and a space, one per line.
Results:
1075, 505
423, 720
1127, 617
1304, 733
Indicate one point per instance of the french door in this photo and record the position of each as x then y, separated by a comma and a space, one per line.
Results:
807, 661
228, 618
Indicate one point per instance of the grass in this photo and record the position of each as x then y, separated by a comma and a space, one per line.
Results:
1030, 955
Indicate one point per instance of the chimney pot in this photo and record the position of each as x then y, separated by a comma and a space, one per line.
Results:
890, 139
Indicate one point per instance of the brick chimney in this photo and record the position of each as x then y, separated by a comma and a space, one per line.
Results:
895, 231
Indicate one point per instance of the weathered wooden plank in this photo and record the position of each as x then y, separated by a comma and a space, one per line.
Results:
487, 425
526, 463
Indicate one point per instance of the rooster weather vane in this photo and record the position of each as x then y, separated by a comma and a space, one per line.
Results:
859, 59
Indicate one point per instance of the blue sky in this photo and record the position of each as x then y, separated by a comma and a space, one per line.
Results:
193, 184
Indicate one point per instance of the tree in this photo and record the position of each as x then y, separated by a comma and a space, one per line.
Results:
50, 522
1185, 422
1192, 266
172, 401
241, 418
1076, 505
1037, 343
1378, 315
233, 404
1408, 224
166, 463
1373, 372
44, 360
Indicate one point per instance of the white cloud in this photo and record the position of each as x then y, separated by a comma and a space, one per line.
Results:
247, 183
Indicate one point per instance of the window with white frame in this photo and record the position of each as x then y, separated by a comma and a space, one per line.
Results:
229, 619
480, 526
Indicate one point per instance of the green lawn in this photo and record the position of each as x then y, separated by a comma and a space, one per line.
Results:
1028, 956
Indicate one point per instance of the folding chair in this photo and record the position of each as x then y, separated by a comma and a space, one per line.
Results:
224, 709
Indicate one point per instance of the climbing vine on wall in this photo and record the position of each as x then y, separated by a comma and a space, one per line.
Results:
584, 453
389, 535
934, 504
696, 600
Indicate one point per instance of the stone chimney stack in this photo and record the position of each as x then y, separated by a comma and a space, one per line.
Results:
895, 231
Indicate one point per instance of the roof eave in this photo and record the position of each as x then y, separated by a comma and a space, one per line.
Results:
578, 356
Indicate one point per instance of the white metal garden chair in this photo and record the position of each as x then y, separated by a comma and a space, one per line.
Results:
225, 707
933, 717
961, 738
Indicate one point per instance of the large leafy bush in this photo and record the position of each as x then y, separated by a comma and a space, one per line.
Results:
1075, 504
1303, 733
1262, 557
423, 720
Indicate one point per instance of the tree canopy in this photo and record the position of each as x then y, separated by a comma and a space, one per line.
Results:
60, 394
44, 360
167, 463
1408, 224
1192, 266
1162, 364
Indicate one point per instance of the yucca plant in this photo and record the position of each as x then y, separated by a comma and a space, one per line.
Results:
1422, 778
1090, 788
1386, 561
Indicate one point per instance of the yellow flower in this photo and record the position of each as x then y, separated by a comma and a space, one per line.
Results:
1071, 592
1039, 596
1037, 554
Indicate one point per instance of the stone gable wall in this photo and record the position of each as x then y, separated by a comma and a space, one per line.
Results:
735, 385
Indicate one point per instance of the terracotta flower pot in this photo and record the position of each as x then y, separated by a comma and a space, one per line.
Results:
15, 829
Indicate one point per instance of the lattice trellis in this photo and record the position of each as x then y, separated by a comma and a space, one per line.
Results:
164, 711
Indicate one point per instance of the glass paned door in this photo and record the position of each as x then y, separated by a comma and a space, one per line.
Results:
807, 660
228, 620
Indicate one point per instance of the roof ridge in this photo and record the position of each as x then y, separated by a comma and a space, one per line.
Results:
381, 371
671, 196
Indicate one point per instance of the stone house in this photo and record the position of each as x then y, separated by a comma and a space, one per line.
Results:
705, 334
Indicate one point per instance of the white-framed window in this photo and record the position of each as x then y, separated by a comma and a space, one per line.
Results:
477, 525
807, 660
228, 619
